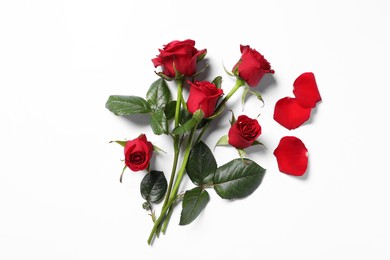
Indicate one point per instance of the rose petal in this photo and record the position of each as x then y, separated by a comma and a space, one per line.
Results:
306, 90
292, 156
290, 114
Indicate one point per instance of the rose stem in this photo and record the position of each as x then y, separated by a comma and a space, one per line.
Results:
176, 138
239, 83
176, 186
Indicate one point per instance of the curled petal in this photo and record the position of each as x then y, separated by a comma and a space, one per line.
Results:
290, 114
292, 156
306, 90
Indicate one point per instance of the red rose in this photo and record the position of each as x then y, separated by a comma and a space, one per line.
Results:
252, 66
138, 153
203, 95
244, 132
292, 156
179, 55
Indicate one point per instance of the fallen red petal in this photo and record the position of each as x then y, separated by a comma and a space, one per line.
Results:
306, 91
292, 156
290, 114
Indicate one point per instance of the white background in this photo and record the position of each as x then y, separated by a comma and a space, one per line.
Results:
60, 196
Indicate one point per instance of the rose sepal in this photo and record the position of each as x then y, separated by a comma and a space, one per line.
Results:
122, 143
187, 126
162, 75
223, 141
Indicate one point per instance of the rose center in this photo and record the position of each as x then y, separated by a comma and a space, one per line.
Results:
137, 158
249, 130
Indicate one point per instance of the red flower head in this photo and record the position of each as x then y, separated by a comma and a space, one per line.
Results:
181, 56
252, 66
203, 95
244, 132
138, 153
292, 156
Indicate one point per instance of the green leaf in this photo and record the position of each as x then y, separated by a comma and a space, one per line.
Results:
127, 105
238, 178
187, 126
217, 81
224, 140
170, 110
194, 202
159, 122
153, 186
158, 94
201, 164
122, 143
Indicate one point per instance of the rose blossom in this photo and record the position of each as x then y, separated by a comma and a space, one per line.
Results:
181, 56
252, 66
203, 95
138, 153
244, 132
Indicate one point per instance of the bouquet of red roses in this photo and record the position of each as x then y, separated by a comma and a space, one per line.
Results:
186, 119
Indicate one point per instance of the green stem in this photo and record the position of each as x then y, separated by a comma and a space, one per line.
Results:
239, 83
176, 141
173, 195
167, 219
182, 169
158, 221
178, 101
179, 177
174, 166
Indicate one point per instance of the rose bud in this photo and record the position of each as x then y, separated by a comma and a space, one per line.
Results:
180, 56
252, 66
244, 132
138, 153
203, 95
